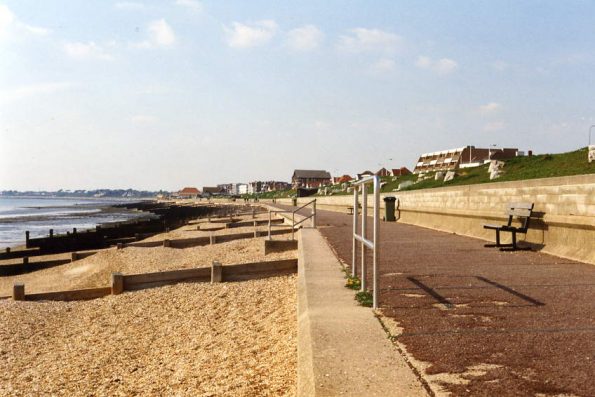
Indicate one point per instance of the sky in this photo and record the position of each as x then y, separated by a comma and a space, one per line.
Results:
165, 94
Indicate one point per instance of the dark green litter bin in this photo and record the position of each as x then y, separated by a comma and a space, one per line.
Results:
294, 201
389, 208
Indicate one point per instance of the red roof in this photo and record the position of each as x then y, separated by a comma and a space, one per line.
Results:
401, 171
343, 179
189, 190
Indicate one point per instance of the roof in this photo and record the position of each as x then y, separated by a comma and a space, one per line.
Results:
313, 174
189, 190
401, 171
344, 178
214, 189
444, 152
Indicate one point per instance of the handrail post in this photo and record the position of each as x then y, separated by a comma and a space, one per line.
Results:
375, 253
374, 245
314, 213
270, 225
292, 225
354, 243
364, 216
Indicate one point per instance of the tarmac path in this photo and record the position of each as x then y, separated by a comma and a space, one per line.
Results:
486, 322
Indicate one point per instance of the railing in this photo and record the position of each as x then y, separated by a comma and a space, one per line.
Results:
371, 244
293, 222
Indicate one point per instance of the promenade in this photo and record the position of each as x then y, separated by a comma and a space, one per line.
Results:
477, 321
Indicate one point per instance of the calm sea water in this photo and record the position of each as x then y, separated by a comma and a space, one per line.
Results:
38, 215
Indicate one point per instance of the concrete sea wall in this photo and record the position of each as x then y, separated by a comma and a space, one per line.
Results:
565, 208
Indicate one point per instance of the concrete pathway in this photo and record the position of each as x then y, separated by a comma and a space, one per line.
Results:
342, 348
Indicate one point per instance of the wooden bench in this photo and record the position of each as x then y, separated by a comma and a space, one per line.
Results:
521, 211
350, 209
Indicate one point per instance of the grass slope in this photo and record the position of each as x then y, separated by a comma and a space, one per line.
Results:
519, 168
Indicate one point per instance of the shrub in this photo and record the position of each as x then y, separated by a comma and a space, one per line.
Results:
353, 282
364, 298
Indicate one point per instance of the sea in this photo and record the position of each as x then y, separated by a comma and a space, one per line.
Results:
39, 215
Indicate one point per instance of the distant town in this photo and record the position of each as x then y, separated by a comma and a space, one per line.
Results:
442, 164
308, 182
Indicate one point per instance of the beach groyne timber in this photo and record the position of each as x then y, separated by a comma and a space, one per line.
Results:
564, 207
160, 217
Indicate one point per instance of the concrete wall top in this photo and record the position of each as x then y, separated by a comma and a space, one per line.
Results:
562, 196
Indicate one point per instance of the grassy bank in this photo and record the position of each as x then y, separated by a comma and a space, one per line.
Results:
516, 169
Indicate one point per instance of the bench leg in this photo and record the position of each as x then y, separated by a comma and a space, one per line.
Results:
514, 246
497, 240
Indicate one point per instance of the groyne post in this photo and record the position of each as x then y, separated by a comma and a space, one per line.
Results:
51, 233
18, 292
216, 272
27, 239
117, 283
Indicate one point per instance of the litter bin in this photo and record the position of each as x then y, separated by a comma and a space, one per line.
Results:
294, 201
389, 209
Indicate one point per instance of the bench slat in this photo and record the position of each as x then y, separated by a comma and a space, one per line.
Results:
528, 206
519, 212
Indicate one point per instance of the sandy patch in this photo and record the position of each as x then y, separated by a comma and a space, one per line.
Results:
229, 339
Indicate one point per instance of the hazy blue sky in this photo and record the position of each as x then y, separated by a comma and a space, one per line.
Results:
166, 94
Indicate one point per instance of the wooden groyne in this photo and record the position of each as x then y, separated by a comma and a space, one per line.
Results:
160, 217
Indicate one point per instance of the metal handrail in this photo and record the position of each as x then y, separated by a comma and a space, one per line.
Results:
293, 222
371, 244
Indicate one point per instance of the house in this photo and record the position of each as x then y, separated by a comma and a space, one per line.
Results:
310, 178
464, 157
342, 179
401, 171
364, 174
242, 188
189, 192
234, 189
382, 172
226, 188
254, 187
271, 186
212, 191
